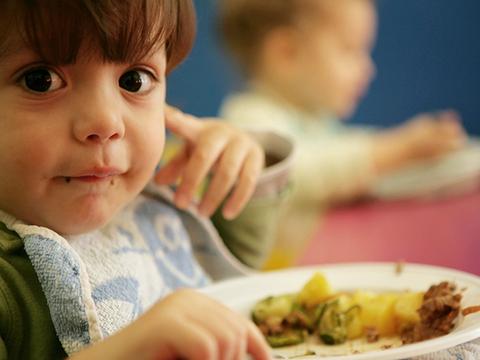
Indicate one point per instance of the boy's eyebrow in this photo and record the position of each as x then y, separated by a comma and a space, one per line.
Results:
12, 47
19, 55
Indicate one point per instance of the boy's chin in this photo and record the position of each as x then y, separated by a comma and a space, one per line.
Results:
78, 226
78, 229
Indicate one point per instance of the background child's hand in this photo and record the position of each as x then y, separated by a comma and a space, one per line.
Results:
431, 135
233, 157
423, 137
184, 325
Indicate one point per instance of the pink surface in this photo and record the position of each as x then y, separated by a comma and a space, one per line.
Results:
438, 232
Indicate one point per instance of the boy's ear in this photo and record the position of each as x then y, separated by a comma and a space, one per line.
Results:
280, 46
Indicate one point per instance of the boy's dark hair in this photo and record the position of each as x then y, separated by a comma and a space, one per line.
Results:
243, 24
123, 30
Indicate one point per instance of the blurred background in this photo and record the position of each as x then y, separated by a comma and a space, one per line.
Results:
427, 56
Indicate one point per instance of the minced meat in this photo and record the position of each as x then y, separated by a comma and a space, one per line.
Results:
440, 308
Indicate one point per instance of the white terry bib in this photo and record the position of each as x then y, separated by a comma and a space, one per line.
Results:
140, 257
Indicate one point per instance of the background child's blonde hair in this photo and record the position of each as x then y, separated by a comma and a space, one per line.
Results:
123, 30
243, 24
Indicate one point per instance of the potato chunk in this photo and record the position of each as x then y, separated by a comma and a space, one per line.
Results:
406, 308
377, 311
316, 290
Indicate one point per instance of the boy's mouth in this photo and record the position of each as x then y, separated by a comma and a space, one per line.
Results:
94, 176
89, 179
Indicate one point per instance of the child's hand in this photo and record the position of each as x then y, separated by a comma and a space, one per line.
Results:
184, 325
423, 137
429, 135
234, 158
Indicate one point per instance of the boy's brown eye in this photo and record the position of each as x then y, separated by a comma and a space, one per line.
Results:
136, 81
38, 80
41, 80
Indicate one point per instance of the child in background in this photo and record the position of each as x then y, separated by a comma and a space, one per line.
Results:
84, 247
308, 63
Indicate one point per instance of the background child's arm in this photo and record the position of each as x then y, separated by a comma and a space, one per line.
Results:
186, 325
233, 157
423, 137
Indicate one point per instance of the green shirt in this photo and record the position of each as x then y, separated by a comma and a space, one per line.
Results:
26, 329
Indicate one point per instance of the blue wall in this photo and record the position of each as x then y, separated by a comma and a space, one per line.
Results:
427, 56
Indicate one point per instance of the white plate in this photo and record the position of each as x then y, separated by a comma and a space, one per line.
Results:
241, 293
452, 174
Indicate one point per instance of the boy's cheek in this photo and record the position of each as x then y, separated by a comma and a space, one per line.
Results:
33, 153
150, 146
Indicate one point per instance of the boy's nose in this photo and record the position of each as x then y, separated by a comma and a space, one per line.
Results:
98, 122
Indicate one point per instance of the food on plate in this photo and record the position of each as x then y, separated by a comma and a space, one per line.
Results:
336, 317
439, 310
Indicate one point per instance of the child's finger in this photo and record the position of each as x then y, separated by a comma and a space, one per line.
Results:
256, 344
203, 157
237, 346
226, 174
451, 129
181, 124
195, 343
451, 123
245, 186
228, 329
169, 173
451, 114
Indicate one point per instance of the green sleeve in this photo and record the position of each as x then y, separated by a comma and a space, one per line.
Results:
26, 329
